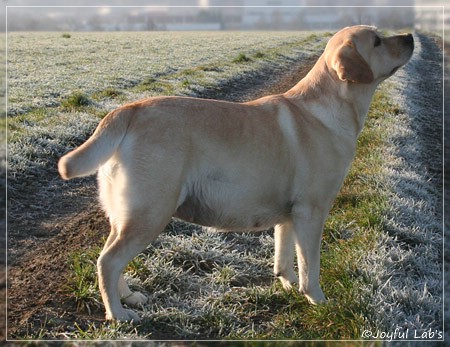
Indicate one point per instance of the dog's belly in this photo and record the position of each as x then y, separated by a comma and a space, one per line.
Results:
195, 212
233, 213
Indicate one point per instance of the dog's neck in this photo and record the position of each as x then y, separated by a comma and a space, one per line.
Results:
352, 98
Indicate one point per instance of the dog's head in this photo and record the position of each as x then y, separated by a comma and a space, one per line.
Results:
359, 54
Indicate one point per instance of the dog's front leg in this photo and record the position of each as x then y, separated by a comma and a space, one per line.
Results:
284, 254
308, 226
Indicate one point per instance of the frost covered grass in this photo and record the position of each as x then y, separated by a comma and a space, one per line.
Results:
380, 253
56, 82
44, 68
404, 267
2, 109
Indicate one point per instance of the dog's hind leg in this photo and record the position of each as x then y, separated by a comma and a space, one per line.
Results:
284, 254
126, 240
127, 296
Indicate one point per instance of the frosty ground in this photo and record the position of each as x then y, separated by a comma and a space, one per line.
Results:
197, 277
407, 264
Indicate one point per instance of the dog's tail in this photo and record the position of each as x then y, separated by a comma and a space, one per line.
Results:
87, 158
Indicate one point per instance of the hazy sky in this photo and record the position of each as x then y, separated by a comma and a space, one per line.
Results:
80, 14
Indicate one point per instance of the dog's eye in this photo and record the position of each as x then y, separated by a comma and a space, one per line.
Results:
377, 41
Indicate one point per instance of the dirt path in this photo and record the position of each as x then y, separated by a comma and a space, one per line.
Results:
64, 217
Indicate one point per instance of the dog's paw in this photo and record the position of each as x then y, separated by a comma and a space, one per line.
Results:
316, 298
288, 280
124, 316
135, 299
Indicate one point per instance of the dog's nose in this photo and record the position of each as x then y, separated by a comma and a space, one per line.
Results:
409, 38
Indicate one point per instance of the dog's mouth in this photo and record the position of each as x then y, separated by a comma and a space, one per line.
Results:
394, 70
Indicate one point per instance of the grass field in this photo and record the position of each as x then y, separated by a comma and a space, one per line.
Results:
57, 85
46, 68
201, 284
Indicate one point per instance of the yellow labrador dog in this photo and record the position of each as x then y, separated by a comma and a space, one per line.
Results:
276, 161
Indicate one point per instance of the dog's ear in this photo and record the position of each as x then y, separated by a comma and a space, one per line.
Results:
350, 66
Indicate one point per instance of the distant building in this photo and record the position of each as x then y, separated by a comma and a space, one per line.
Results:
211, 15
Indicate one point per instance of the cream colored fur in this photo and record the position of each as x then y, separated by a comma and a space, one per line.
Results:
276, 161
